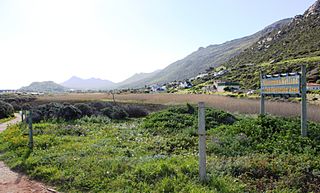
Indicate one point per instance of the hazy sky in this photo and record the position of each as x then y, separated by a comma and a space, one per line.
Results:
113, 39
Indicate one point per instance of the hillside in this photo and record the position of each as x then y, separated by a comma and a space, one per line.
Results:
46, 87
88, 84
203, 58
281, 50
137, 79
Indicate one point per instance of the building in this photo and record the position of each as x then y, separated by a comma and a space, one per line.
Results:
223, 85
313, 86
158, 88
185, 84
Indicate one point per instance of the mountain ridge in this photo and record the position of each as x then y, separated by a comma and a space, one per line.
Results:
88, 84
204, 58
281, 50
45, 86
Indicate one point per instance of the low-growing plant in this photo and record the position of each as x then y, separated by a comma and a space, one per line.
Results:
6, 110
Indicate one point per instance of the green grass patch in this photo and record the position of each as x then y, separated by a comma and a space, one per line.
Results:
159, 153
6, 119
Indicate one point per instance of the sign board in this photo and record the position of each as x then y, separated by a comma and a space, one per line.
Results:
284, 84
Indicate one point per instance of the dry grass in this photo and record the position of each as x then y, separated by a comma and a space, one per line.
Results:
243, 106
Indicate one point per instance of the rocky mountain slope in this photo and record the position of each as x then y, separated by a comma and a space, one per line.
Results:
281, 50
137, 80
203, 58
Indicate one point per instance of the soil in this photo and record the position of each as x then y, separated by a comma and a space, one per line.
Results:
13, 182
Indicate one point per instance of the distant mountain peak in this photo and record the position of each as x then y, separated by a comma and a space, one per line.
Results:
88, 84
314, 9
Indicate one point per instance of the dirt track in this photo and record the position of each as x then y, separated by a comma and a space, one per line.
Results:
12, 182
244, 106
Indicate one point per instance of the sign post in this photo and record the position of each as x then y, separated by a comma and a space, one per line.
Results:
202, 142
262, 105
287, 84
303, 101
30, 130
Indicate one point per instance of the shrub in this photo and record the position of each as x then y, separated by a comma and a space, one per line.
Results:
85, 109
69, 112
6, 110
167, 122
136, 111
115, 112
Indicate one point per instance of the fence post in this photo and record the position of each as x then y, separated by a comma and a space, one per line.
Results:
21, 114
262, 99
303, 101
202, 142
30, 130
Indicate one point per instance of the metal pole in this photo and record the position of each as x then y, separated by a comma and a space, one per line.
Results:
303, 101
262, 99
202, 142
30, 130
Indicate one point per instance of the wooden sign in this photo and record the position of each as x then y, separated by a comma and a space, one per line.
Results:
284, 84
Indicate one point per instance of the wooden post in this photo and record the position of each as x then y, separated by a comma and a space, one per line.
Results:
202, 142
303, 101
113, 98
262, 99
30, 130
21, 114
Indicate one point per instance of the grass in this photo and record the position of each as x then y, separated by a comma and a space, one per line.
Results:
124, 156
230, 104
7, 119
159, 154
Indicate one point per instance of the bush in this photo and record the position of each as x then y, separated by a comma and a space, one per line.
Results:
6, 110
115, 112
69, 112
136, 111
85, 109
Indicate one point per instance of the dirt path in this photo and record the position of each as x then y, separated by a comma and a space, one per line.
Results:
3, 126
12, 182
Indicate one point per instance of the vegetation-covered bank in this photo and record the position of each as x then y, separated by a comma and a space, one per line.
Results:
159, 153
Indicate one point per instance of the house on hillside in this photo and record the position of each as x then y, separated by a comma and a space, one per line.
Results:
220, 73
201, 75
185, 84
157, 88
313, 86
223, 85
209, 88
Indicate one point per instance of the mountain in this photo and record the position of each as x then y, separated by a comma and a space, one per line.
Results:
136, 80
204, 58
46, 87
281, 50
88, 84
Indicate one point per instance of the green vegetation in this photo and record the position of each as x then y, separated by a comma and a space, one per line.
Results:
6, 110
280, 51
6, 119
159, 153
69, 112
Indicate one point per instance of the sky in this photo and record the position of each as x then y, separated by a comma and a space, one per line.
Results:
43, 40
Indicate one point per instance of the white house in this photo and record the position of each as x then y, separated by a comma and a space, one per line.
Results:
185, 84
221, 85
157, 88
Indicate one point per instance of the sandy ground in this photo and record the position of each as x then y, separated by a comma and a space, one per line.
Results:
12, 182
